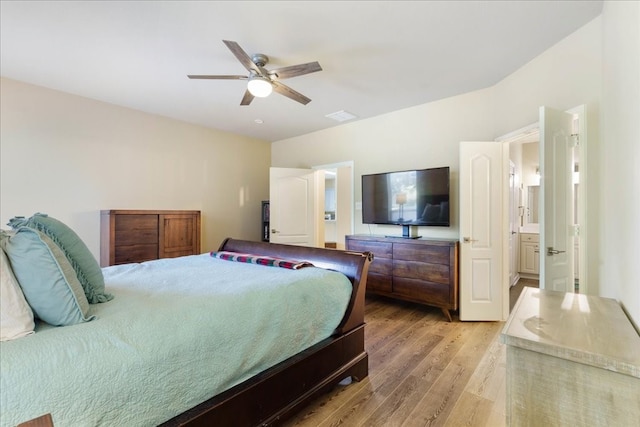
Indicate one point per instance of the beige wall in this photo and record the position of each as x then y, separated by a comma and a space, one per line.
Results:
70, 157
420, 137
567, 75
620, 154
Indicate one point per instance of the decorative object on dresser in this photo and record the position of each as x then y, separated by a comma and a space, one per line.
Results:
142, 235
572, 359
418, 270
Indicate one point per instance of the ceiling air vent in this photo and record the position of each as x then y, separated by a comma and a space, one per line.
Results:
341, 116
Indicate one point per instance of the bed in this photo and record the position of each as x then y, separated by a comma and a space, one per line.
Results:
159, 369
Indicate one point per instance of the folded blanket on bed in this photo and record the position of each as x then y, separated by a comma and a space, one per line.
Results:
261, 260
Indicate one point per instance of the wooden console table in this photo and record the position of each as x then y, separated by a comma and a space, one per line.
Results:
572, 360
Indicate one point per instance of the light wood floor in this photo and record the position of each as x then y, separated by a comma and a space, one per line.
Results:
423, 371
515, 290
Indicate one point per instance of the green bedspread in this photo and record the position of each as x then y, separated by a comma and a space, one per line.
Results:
177, 332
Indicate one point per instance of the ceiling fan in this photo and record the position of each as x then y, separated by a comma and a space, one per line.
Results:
263, 81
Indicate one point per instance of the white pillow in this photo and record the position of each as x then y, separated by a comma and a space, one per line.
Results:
16, 317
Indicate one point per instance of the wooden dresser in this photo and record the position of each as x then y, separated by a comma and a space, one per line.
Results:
572, 360
418, 270
142, 235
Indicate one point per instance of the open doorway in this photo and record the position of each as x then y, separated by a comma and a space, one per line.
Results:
330, 208
524, 183
338, 210
524, 149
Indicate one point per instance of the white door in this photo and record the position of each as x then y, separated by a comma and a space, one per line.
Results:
556, 197
296, 204
484, 257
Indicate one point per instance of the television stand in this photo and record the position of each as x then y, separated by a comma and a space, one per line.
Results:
410, 232
424, 271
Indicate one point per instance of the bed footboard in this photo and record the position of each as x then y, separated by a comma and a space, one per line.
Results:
273, 395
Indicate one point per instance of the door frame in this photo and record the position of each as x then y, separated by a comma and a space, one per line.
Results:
533, 130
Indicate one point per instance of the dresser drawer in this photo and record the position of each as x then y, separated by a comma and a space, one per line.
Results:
135, 253
378, 282
378, 249
423, 291
135, 222
136, 229
135, 236
416, 252
437, 273
381, 266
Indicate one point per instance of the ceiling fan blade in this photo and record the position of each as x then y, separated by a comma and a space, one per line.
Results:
247, 98
242, 56
290, 93
296, 70
230, 77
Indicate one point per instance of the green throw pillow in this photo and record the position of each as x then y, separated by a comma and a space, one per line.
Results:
47, 280
84, 264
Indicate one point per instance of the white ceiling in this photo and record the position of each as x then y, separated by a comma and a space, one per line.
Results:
377, 56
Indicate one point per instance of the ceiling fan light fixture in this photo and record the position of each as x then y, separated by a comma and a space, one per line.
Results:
262, 82
259, 87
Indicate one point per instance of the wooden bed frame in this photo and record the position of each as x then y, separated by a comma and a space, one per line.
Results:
275, 394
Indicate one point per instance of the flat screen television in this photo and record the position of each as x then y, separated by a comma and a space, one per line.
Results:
407, 198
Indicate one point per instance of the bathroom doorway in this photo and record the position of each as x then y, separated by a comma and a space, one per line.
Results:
524, 149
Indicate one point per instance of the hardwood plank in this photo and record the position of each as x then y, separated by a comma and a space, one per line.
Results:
470, 410
423, 370
383, 327
410, 391
498, 416
490, 374
484, 397
436, 405
386, 370
357, 410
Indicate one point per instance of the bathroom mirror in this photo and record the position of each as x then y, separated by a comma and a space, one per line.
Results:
533, 192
